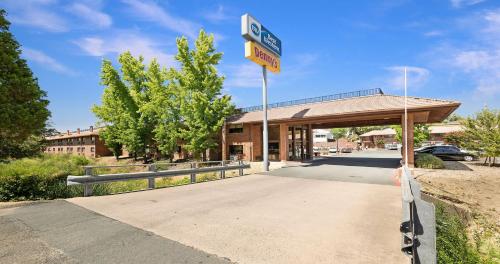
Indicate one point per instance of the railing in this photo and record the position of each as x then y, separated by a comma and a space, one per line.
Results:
315, 99
153, 171
418, 225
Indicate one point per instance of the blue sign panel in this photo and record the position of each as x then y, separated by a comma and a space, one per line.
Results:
269, 40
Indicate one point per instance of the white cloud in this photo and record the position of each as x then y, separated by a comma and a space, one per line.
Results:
416, 76
433, 33
91, 14
249, 74
46, 61
150, 11
246, 75
479, 59
218, 15
121, 42
36, 13
461, 3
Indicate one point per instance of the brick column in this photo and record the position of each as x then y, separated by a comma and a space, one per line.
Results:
224, 143
410, 126
283, 142
310, 141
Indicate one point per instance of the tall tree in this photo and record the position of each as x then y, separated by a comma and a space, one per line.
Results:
163, 109
23, 105
202, 106
482, 133
339, 133
120, 105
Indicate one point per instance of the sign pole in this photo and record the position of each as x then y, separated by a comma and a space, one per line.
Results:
406, 125
264, 122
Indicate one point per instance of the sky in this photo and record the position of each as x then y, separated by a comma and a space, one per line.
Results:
451, 48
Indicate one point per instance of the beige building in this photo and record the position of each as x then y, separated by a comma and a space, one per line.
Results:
84, 142
438, 132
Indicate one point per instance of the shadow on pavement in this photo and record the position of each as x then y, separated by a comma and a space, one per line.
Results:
389, 163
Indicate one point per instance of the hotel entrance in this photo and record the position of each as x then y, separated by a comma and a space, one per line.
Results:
299, 142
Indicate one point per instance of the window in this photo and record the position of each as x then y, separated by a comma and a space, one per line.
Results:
92, 139
92, 149
238, 128
83, 149
236, 150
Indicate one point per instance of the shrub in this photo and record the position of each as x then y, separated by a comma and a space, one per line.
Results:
40, 178
451, 242
429, 161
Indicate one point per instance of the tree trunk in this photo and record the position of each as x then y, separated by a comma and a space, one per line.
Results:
337, 147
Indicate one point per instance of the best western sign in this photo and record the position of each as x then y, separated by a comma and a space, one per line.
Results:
262, 56
252, 30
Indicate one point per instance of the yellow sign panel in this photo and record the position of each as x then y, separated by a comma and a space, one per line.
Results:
262, 56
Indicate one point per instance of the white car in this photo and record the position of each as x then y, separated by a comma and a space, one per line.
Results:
332, 150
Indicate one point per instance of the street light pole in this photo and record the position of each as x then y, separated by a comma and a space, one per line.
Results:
265, 139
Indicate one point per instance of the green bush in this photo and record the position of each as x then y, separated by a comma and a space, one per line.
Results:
429, 161
452, 243
40, 178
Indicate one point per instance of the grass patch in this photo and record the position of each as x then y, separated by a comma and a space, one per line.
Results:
454, 246
40, 178
428, 161
44, 177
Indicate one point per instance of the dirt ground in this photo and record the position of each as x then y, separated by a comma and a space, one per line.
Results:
469, 185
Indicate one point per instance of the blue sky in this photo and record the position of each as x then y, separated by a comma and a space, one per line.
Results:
451, 48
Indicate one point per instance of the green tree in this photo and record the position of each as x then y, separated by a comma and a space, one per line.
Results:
339, 133
122, 97
202, 106
23, 105
482, 133
163, 109
453, 118
421, 134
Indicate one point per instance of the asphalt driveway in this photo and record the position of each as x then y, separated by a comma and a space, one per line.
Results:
374, 167
265, 219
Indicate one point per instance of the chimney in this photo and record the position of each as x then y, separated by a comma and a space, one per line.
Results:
91, 128
67, 132
78, 130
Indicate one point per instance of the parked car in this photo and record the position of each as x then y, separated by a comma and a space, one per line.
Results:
332, 150
391, 146
447, 152
346, 150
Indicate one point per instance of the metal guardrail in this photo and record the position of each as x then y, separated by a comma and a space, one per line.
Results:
89, 179
312, 100
418, 225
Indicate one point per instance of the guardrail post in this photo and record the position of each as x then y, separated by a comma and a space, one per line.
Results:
223, 172
151, 181
87, 189
240, 162
87, 170
193, 175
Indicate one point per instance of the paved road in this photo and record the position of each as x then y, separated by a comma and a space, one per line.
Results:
61, 232
321, 213
264, 219
374, 167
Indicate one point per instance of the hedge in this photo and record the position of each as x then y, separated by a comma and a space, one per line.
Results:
40, 178
428, 161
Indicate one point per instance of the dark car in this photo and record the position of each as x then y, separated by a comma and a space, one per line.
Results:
446, 153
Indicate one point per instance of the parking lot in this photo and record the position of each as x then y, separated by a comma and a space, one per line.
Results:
374, 167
